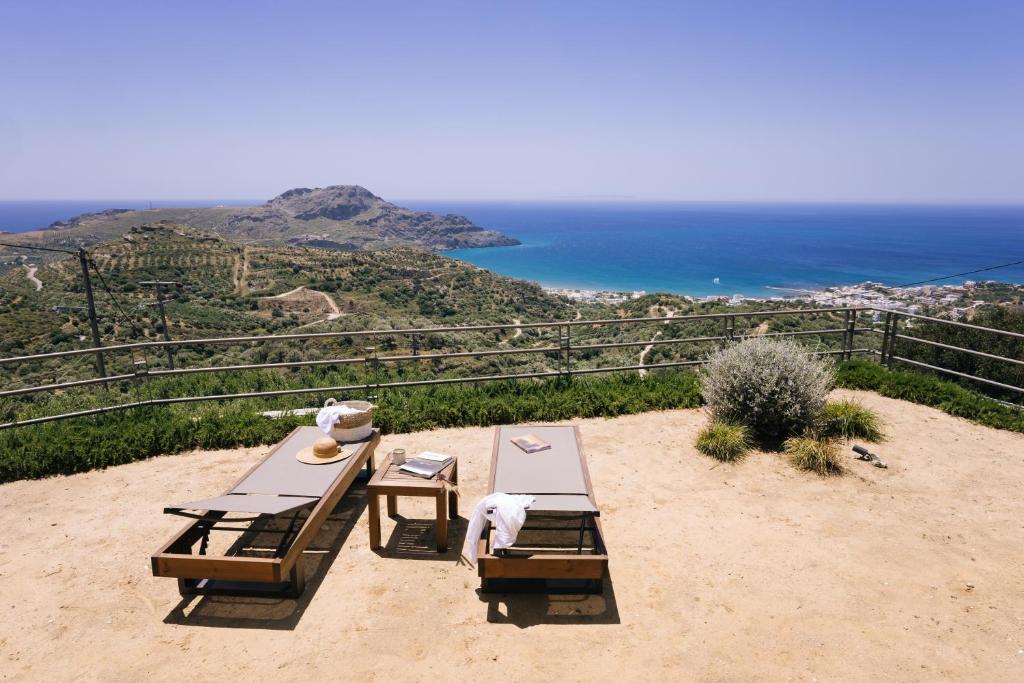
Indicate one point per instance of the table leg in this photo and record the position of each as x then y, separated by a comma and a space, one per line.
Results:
373, 503
392, 506
453, 496
442, 521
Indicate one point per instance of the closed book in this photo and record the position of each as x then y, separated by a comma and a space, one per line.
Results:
420, 467
531, 443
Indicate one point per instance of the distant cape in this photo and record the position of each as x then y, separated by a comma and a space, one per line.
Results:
347, 217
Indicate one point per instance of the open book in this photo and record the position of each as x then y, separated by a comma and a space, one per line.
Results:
531, 443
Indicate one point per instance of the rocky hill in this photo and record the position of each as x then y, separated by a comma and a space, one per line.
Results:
346, 217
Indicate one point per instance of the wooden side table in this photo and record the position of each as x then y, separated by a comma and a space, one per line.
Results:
391, 482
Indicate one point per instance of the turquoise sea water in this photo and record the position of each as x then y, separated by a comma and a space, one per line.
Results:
750, 248
683, 247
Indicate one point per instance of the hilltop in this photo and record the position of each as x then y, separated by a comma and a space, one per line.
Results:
343, 217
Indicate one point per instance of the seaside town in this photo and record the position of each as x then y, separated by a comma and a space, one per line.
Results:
955, 301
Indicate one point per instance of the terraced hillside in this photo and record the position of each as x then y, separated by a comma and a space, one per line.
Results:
230, 289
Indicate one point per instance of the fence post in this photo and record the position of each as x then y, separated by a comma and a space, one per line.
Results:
892, 338
848, 340
887, 339
568, 350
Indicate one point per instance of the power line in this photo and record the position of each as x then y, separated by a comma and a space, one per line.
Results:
29, 246
969, 272
114, 299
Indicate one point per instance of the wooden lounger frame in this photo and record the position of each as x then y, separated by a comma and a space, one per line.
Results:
575, 567
175, 558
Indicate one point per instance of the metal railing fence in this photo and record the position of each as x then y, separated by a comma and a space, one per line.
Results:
565, 353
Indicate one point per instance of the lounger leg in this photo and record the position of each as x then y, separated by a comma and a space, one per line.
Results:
392, 506
373, 503
442, 521
296, 580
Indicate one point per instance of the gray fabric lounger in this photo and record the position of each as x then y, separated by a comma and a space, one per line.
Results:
278, 487
562, 537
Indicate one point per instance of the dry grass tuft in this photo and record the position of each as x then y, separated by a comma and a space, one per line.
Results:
816, 455
724, 441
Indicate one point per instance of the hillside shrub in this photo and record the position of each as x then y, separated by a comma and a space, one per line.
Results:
820, 456
848, 420
723, 441
774, 387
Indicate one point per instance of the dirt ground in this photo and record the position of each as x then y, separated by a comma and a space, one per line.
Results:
750, 571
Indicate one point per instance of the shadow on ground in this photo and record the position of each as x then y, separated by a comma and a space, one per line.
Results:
415, 539
530, 609
276, 613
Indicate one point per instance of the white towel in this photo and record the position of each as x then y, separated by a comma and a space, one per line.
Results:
328, 415
507, 513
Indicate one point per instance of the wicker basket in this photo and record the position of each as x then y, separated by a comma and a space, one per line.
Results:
352, 427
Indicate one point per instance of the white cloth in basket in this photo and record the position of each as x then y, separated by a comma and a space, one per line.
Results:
329, 415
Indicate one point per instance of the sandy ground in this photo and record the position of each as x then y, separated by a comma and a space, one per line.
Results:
752, 571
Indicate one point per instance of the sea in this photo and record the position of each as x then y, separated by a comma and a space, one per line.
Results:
697, 248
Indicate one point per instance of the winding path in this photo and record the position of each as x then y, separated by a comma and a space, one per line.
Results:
335, 313
30, 273
669, 313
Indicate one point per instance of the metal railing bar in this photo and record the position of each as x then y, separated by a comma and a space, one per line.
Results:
65, 385
622, 368
348, 361
659, 342
77, 413
614, 345
798, 333
1007, 333
706, 316
960, 348
408, 331
959, 374
280, 392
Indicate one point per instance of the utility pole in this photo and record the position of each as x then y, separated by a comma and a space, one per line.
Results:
160, 284
83, 259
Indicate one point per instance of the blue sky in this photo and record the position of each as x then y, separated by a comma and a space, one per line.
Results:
821, 101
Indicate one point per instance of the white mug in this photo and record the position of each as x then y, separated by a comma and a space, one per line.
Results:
398, 456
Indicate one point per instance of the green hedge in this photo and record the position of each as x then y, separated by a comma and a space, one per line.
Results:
83, 444
931, 391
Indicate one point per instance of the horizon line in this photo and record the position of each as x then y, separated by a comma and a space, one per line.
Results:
558, 200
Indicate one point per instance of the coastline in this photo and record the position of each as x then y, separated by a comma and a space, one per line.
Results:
957, 299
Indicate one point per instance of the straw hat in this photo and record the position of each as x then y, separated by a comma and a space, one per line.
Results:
322, 452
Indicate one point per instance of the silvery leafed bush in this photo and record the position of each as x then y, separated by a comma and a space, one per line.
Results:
774, 387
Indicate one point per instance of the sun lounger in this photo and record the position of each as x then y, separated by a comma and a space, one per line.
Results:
561, 543
280, 492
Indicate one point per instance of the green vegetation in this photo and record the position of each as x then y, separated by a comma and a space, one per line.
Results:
723, 441
929, 390
774, 387
820, 456
115, 438
1003, 317
848, 420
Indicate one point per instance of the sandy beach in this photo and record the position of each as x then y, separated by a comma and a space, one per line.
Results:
748, 571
